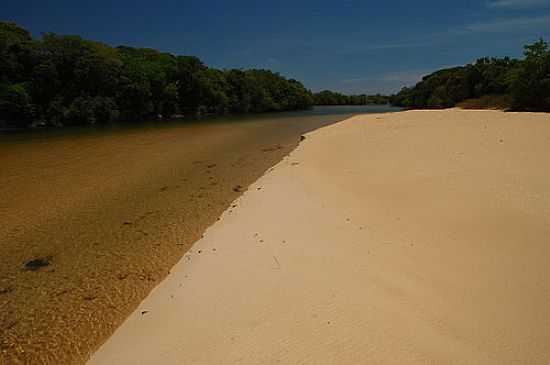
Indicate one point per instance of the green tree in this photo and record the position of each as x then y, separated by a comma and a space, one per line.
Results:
531, 84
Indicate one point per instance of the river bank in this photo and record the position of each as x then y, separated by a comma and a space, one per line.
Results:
413, 237
93, 219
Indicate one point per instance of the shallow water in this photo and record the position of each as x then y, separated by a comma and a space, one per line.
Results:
93, 218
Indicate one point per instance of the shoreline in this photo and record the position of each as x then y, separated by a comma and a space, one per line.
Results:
415, 237
117, 211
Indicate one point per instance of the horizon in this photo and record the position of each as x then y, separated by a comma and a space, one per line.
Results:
368, 49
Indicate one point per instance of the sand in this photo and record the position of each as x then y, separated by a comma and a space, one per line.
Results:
414, 237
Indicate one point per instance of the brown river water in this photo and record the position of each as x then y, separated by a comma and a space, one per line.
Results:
92, 219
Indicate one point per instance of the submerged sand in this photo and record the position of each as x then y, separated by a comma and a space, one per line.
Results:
415, 237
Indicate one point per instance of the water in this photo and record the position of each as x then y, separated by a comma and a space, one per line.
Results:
38, 133
108, 210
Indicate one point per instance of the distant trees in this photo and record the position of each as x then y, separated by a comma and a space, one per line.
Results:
64, 80
328, 97
527, 81
530, 86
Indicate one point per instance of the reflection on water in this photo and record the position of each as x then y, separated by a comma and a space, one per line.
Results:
24, 135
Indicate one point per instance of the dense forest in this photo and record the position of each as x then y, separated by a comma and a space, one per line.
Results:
526, 82
327, 97
66, 80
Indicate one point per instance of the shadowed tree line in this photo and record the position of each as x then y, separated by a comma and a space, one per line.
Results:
66, 80
526, 81
327, 97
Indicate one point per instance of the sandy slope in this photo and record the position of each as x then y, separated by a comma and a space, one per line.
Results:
415, 237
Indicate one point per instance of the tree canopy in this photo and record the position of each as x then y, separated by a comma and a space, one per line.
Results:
526, 80
328, 97
66, 80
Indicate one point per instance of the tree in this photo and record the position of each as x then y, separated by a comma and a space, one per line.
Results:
65, 79
531, 84
15, 105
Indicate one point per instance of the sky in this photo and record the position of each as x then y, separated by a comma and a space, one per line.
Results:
351, 46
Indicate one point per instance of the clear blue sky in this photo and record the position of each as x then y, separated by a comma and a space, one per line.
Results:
345, 45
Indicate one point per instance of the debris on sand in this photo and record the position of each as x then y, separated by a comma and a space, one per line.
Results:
302, 138
6, 290
277, 263
37, 264
271, 149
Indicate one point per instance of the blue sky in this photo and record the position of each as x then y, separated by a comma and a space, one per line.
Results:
352, 46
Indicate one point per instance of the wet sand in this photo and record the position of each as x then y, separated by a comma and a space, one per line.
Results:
407, 238
92, 222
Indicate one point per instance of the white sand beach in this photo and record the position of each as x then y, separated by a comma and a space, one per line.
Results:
412, 237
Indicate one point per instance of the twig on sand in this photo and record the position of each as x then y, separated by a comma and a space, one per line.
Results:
277, 262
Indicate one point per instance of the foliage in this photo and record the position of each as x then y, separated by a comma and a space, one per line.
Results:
527, 81
327, 97
15, 104
531, 84
67, 80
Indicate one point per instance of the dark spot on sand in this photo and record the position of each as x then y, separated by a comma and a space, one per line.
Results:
11, 325
89, 297
295, 164
164, 188
37, 264
63, 292
127, 223
274, 148
501, 141
6, 290
302, 138
211, 166
237, 188
200, 251
259, 188
144, 312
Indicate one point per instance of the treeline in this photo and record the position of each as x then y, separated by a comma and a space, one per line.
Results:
526, 81
327, 97
66, 80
